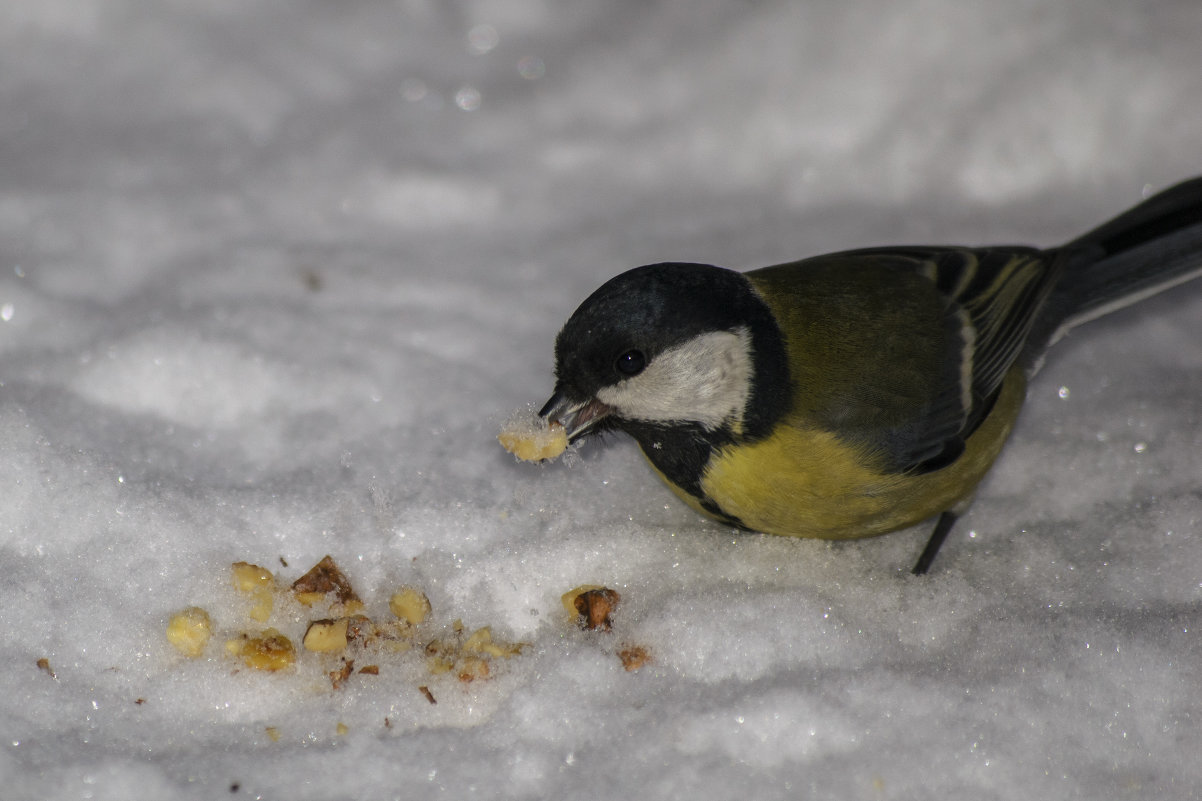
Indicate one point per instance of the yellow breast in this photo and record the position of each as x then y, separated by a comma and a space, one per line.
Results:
804, 482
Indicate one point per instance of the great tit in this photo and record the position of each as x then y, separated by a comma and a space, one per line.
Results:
855, 393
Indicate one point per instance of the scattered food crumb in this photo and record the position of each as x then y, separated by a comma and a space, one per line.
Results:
528, 437
326, 636
424, 691
44, 665
259, 584
467, 656
472, 668
324, 578
410, 605
269, 651
633, 657
594, 607
337, 677
188, 631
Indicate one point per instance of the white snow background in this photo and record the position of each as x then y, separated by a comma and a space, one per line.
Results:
273, 273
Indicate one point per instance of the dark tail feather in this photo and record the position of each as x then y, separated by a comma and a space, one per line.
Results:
1148, 249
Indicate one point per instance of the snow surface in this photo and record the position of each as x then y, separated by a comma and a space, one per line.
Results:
272, 274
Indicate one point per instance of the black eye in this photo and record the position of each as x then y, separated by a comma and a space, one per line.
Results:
631, 362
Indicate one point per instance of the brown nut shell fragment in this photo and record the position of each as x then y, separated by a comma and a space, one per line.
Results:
325, 578
633, 657
337, 677
595, 606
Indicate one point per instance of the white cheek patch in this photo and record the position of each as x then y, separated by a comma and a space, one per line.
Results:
706, 380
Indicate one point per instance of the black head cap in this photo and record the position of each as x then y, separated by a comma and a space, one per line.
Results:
644, 311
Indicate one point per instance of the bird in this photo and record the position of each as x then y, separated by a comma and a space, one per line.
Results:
855, 393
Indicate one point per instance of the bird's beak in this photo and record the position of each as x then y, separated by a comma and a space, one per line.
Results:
577, 418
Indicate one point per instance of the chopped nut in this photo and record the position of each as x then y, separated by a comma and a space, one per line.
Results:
471, 668
594, 607
426, 692
325, 578
481, 641
477, 639
44, 665
326, 635
410, 605
337, 677
247, 577
633, 657
531, 439
360, 627
341, 729
440, 656
258, 583
467, 656
188, 631
273, 733
269, 651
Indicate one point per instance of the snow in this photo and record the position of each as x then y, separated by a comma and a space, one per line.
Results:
273, 274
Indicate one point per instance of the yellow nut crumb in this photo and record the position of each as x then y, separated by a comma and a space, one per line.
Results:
248, 577
478, 639
189, 631
326, 635
471, 668
481, 642
410, 605
341, 729
258, 583
269, 651
528, 437
273, 734
310, 598
264, 603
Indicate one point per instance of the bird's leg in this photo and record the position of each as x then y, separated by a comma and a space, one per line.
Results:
942, 528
